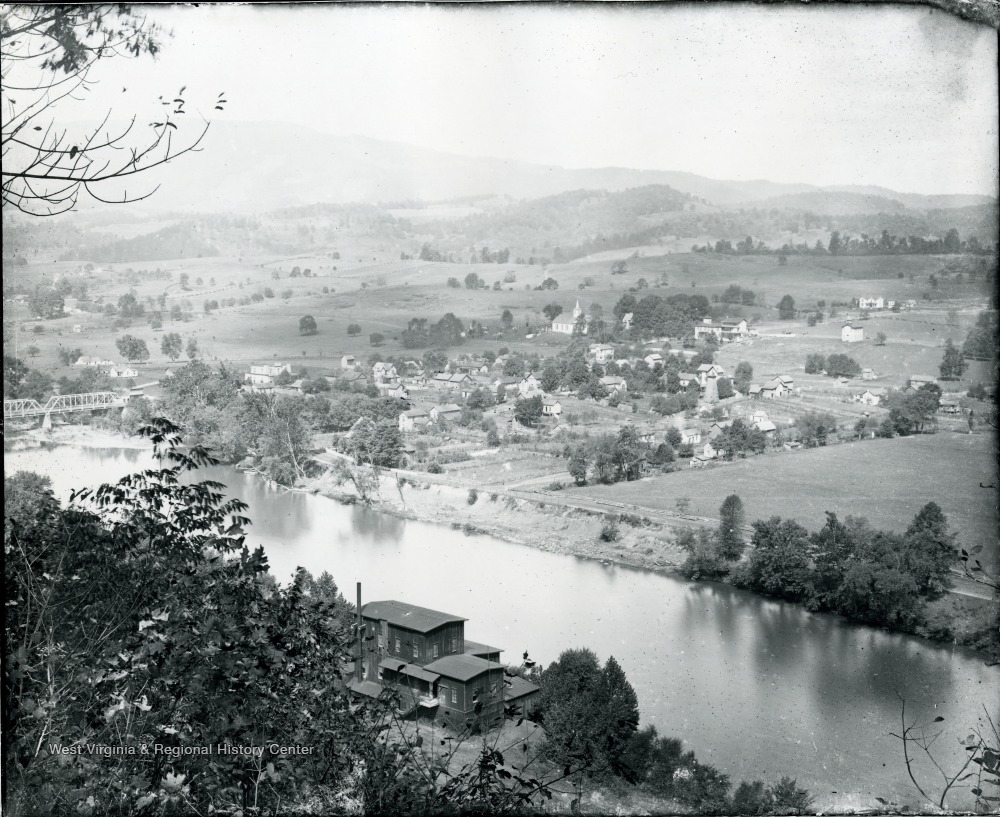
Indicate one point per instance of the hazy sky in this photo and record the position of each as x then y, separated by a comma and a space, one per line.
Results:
904, 97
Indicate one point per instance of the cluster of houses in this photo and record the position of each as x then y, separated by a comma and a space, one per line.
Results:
424, 656
723, 331
705, 452
884, 303
113, 370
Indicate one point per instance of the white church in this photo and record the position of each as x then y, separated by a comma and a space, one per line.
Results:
566, 328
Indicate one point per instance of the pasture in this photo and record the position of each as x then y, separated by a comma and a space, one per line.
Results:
886, 481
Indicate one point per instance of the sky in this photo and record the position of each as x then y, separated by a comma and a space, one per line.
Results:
901, 96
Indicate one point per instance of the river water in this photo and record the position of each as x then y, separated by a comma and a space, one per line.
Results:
756, 687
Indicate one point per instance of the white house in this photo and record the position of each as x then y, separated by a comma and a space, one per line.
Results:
722, 331
871, 303
602, 353
918, 380
125, 371
614, 384
766, 426
653, 358
396, 389
77, 328
414, 418
551, 406
868, 374
384, 372
690, 436
447, 411
627, 320
852, 334
566, 328
348, 362
869, 398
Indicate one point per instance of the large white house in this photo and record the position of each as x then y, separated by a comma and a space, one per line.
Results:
566, 328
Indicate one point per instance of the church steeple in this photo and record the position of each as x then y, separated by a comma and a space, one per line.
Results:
577, 311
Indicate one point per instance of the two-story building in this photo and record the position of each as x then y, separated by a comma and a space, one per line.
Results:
852, 334
263, 374
425, 656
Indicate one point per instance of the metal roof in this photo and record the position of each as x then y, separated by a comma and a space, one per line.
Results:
401, 614
518, 688
475, 648
461, 667
413, 670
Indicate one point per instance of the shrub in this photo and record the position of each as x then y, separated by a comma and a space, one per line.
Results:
609, 530
473, 496
435, 468
555, 486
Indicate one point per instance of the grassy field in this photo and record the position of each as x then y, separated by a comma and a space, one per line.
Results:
887, 481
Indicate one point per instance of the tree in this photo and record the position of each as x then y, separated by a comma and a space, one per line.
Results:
552, 311
353, 329
472, 281
953, 363
307, 325
743, 377
786, 307
815, 428
33, 351
578, 465
815, 363
779, 560
192, 349
171, 345
507, 319
549, 283
725, 387
528, 411
155, 321
841, 365
619, 268
732, 517
132, 348
45, 302
48, 54
880, 339
376, 338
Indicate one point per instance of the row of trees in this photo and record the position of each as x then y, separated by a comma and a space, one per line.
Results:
844, 244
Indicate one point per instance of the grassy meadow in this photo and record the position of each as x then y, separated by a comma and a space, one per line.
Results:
887, 481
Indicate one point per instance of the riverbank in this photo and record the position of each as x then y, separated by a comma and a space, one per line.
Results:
82, 437
568, 531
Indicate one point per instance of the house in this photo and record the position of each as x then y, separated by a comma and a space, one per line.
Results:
757, 392
124, 371
508, 384
871, 303
627, 320
551, 406
786, 381
521, 695
77, 328
700, 461
529, 386
869, 398
397, 390
718, 428
769, 391
93, 361
614, 384
263, 374
868, 374
413, 419
708, 451
766, 427
353, 377
348, 362
653, 359
449, 380
852, 334
383, 372
448, 411
758, 416
568, 327
950, 404
690, 436
602, 353
918, 380
707, 370
424, 655
687, 378
724, 331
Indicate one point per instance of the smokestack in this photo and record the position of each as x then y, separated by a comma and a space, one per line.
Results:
359, 665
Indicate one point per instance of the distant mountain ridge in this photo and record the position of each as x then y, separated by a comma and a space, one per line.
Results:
260, 167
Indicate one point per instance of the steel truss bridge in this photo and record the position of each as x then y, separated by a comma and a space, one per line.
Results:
62, 403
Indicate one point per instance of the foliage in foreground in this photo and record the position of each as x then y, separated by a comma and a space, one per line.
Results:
138, 620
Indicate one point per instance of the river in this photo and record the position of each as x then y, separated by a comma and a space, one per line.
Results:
756, 687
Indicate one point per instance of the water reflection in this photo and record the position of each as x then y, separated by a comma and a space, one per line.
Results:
758, 687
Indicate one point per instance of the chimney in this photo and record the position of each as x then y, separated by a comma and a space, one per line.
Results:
359, 663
